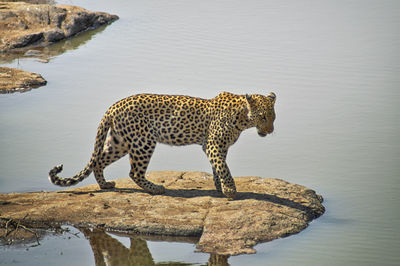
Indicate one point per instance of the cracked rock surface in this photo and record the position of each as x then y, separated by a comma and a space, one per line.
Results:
264, 209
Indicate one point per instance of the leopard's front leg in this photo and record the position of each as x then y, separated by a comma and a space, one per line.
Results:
217, 181
217, 158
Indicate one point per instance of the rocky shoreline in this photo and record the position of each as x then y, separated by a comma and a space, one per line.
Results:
264, 209
24, 26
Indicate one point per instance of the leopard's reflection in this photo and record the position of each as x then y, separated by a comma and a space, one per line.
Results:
109, 251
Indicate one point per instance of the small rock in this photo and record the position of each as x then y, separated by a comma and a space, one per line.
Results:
13, 80
44, 61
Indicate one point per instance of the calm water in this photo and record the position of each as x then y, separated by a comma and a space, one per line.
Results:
334, 65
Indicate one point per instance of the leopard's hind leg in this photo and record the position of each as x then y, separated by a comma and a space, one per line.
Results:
139, 158
114, 149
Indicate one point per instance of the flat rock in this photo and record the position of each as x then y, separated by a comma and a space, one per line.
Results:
28, 25
264, 209
13, 80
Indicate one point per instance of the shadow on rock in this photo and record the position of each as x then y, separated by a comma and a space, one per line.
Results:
196, 193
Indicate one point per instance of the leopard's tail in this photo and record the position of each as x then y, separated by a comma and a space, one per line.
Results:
102, 130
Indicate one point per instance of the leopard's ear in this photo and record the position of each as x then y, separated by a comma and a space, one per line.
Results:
272, 96
249, 99
249, 102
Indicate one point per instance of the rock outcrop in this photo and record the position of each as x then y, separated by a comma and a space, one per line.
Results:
13, 80
264, 209
26, 25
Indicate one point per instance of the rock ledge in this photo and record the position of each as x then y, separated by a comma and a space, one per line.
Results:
264, 209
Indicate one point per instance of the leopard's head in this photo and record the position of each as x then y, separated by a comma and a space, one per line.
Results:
261, 112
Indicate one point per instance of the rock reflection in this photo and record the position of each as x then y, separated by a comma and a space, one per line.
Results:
109, 251
45, 54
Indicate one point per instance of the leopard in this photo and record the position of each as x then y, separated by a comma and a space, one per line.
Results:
134, 126
108, 250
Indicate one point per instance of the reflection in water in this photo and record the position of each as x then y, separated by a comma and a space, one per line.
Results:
109, 251
45, 54
218, 260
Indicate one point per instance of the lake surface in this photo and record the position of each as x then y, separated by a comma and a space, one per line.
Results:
334, 65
